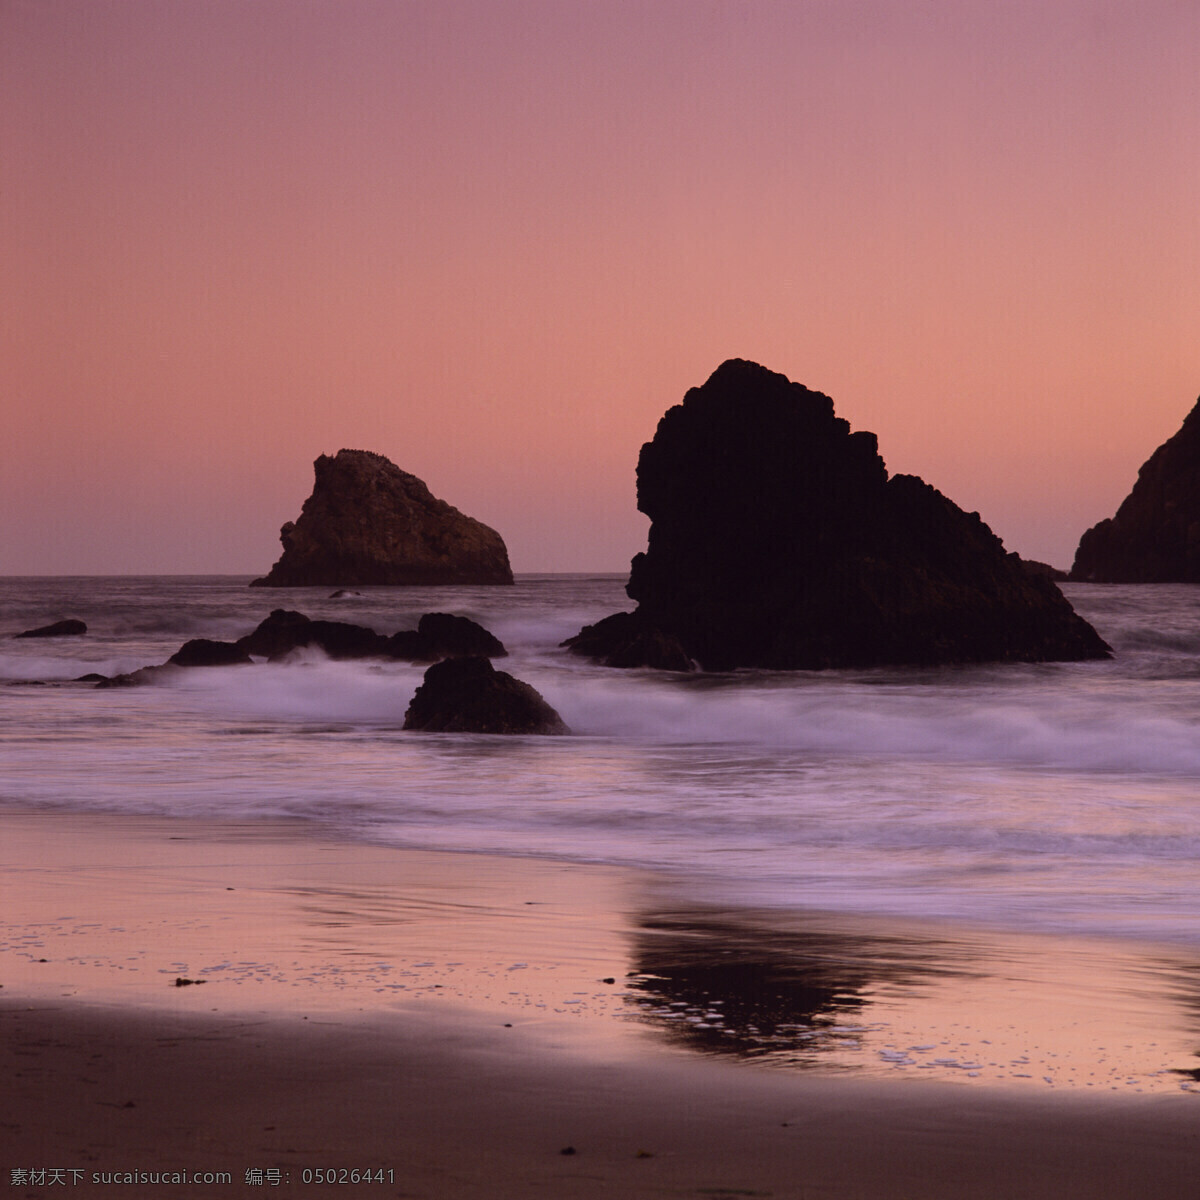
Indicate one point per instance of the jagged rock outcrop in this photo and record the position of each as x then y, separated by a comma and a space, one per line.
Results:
468, 695
1155, 535
368, 522
71, 628
778, 540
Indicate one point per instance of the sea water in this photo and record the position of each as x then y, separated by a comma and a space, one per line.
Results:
1061, 797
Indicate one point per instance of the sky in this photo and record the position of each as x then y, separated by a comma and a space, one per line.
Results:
494, 240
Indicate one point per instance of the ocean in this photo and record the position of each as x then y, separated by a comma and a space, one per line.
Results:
1057, 798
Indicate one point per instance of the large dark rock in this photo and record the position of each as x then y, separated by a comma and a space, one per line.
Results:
1155, 535
778, 540
58, 629
284, 631
368, 522
201, 652
468, 695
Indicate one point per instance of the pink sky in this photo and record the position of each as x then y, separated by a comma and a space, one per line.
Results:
496, 240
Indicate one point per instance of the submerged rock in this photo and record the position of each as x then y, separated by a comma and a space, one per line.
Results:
778, 540
1155, 535
368, 522
70, 628
468, 695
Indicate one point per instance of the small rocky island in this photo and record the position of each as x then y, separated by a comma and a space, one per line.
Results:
1155, 535
368, 522
778, 540
68, 628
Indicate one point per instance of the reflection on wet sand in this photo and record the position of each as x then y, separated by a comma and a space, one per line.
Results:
724, 986
821, 992
272, 920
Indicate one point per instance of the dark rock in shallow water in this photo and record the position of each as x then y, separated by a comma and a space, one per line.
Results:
368, 522
142, 677
277, 634
1155, 535
468, 695
437, 636
626, 639
459, 636
410, 646
284, 631
442, 635
200, 652
58, 629
778, 540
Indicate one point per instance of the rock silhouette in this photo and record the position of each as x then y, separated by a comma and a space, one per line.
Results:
368, 522
778, 540
468, 695
1155, 535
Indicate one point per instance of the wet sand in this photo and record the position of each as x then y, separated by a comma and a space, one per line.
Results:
457, 1021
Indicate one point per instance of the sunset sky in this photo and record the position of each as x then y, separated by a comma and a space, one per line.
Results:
495, 240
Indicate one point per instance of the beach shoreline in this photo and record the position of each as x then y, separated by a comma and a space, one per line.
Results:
459, 1020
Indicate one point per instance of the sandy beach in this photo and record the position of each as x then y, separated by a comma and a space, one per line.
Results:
477, 1026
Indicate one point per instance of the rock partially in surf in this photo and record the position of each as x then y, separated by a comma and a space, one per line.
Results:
201, 652
459, 637
468, 695
284, 631
91, 677
778, 540
411, 646
277, 634
443, 635
343, 594
626, 639
71, 628
1154, 537
368, 522
142, 677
